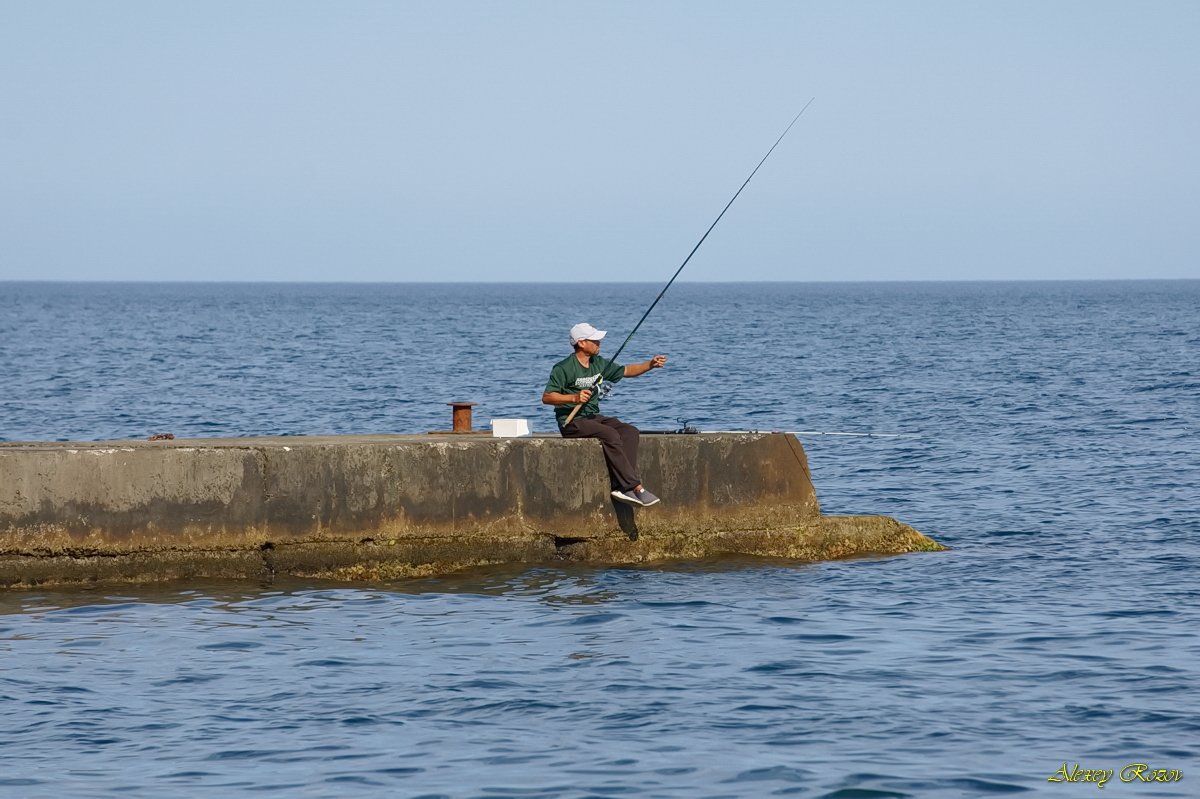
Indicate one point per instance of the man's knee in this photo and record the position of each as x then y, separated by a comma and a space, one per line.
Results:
607, 435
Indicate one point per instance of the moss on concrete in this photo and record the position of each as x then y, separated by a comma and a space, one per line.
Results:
825, 538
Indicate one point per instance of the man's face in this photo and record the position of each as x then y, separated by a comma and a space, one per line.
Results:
590, 346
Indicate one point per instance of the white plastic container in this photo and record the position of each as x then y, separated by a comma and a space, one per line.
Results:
510, 428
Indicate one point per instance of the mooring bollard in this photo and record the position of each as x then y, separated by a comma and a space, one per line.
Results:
462, 416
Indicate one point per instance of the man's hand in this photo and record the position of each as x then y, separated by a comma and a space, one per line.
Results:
583, 396
635, 369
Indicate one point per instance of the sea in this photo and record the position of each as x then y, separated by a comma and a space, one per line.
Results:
1046, 432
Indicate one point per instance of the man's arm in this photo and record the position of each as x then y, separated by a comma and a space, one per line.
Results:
558, 398
635, 369
555, 392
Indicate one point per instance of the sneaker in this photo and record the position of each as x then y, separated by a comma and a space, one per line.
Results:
629, 497
647, 499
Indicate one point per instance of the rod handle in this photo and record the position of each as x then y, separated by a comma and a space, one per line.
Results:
574, 411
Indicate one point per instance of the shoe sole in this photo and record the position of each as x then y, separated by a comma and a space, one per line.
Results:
617, 495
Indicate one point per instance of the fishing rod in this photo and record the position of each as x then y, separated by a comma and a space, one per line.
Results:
688, 427
613, 359
819, 433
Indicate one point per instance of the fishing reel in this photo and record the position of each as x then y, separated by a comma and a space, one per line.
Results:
685, 426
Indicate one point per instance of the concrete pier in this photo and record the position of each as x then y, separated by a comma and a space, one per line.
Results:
375, 507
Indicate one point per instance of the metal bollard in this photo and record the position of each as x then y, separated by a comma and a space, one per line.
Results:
462, 416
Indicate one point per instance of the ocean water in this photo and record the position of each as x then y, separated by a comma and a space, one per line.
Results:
1048, 434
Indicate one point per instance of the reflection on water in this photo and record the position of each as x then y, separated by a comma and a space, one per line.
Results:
566, 584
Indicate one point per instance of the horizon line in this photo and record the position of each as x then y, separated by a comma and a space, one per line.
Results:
591, 282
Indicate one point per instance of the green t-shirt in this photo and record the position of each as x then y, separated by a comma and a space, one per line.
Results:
569, 377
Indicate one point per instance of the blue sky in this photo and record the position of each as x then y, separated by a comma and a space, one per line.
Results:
393, 141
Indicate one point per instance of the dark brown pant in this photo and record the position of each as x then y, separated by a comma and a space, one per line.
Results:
620, 442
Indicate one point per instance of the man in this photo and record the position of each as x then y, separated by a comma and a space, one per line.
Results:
573, 381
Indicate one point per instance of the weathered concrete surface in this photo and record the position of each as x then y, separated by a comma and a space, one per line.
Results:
365, 507
820, 538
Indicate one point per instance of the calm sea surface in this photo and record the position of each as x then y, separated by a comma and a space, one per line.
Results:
1051, 440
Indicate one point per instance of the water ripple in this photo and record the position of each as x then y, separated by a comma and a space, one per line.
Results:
1056, 454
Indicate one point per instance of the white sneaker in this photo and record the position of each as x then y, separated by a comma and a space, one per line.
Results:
628, 497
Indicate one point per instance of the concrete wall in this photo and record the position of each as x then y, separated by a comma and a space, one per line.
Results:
380, 506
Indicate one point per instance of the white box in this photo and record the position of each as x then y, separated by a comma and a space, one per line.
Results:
510, 428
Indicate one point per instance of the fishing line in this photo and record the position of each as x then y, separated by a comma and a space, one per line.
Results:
613, 359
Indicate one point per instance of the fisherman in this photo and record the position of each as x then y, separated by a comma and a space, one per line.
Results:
574, 381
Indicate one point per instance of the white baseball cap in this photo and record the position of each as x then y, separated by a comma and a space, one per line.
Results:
583, 331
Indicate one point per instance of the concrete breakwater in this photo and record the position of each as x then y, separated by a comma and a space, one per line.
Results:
374, 507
